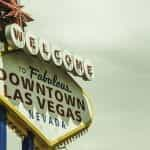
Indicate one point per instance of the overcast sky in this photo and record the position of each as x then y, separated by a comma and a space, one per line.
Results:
114, 35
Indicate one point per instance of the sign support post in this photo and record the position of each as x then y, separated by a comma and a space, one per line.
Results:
3, 128
28, 142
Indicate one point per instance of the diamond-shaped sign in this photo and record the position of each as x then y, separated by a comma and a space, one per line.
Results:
43, 99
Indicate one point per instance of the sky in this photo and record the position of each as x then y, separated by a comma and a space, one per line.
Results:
114, 35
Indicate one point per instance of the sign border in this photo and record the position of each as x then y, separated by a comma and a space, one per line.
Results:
22, 125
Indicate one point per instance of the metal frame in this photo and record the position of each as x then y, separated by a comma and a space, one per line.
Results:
3, 128
28, 142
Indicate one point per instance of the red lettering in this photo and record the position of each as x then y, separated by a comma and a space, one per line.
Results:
18, 34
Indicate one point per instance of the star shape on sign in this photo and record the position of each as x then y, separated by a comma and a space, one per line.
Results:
14, 10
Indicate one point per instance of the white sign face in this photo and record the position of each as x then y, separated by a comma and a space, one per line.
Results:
15, 36
44, 48
68, 61
32, 44
51, 100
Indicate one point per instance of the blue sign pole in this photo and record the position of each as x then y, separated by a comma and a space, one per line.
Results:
3, 128
28, 142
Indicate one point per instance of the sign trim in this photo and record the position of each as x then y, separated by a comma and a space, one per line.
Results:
21, 121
